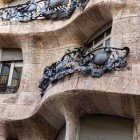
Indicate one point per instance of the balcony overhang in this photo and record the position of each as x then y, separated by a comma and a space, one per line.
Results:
94, 11
4, 2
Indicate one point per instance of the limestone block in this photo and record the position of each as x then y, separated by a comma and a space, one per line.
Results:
118, 84
101, 102
105, 81
132, 87
127, 105
9, 111
77, 37
135, 70
28, 97
54, 110
20, 111
85, 102
30, 110
5, 1
84, 83
131, 8
70, 84
2, 109
115, 102
87, 26
52, 118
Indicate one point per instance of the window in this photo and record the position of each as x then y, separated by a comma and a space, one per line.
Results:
102, 127
11, 63
101, 38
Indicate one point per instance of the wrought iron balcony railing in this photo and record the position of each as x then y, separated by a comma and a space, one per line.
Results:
46, 9
86, 61
8, 89
4, 89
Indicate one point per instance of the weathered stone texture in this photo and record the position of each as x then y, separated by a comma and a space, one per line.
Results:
44, 42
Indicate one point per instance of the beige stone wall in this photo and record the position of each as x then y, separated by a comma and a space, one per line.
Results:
44, 42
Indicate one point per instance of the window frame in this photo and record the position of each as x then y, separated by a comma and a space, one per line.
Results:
103, 41
12, 65
98, 33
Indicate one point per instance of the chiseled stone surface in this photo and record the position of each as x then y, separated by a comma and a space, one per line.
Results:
44, 42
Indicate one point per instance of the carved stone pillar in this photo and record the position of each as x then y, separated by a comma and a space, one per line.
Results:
72, 121
2, 138
3, 130
136, 132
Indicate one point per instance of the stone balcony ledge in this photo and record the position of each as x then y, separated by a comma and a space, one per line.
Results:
116, 85
95, 8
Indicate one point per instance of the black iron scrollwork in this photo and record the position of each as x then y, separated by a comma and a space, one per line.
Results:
8, 89
46, 9
94, 62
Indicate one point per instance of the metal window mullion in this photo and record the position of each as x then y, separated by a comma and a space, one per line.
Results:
11, 74
104, 42
93, 44
104, 39
19, 64
99, 43
0, 60
99, 32
0, 54
0, 67
108, 36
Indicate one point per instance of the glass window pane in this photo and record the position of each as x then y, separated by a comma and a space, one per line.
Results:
16, 77
99, 51
99, 38
108, 31
5, 74
107, 42
101, 45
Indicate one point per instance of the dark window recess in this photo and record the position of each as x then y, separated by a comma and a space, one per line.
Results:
99, 38
108, 31
12, 138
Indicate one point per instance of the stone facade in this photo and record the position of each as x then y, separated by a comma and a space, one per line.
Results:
25, 115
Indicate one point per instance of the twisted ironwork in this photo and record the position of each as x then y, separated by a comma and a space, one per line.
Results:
8, 89
86, 61
42, 9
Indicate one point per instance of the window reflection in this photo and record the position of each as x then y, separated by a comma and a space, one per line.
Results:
101, 39
16, 76
10, 70
4, 74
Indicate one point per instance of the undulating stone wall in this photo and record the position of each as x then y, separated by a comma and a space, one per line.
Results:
44, 42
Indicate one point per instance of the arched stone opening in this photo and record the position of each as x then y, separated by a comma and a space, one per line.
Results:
78, 103
99, 127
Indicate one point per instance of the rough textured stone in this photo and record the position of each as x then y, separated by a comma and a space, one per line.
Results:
65, 101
